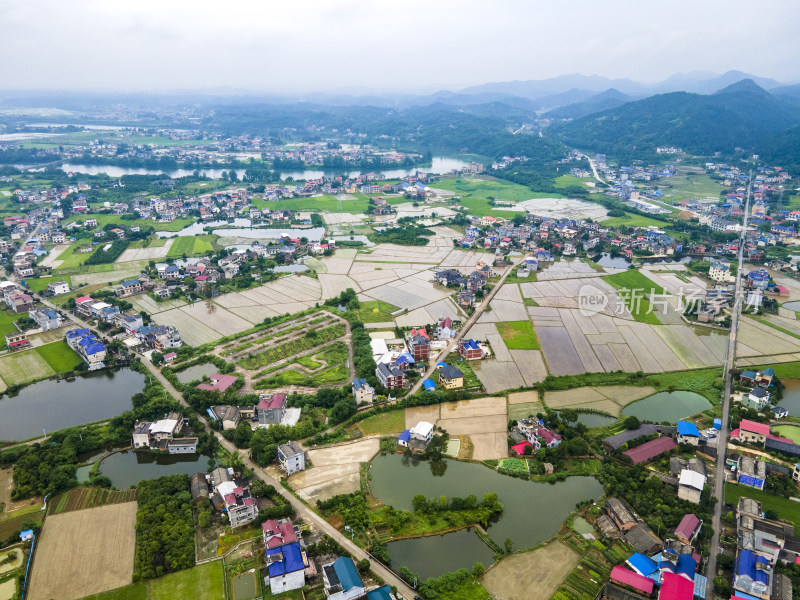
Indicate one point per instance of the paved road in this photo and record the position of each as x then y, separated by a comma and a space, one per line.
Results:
594, 169
719, 480
467, 324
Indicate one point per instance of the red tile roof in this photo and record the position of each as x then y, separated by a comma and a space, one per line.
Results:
628, 577
223, 383
651, 449
274, 401
752, 426
687, 526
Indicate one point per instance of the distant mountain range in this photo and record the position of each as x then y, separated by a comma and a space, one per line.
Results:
740, 115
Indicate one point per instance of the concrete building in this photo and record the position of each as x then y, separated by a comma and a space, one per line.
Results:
341, 580
228, 415
291, 457
450, 377
363, 392
690, 486
58, 287
270, 408
240, 506
286, 565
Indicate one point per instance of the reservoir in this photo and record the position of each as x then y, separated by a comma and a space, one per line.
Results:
52, 405
439, 166
128, 468
396, 479
667, 406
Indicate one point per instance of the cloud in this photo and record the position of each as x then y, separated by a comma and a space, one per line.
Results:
307, 45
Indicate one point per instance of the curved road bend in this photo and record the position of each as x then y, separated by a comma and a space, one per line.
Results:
719, 479
308, 515
467, 324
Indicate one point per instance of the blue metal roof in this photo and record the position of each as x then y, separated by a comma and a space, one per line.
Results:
381, 593
347, 574
700, 584
429, 385
686, 428
357, 383
686, 565
95, 349
641, 564
291, 559
746, 564
405, 436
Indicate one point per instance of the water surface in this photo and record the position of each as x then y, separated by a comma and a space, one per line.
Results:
667, 406
52, 405
128, 468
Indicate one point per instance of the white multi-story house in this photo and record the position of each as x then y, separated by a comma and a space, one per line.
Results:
291, 457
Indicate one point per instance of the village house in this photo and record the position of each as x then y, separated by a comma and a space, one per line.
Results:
688, 433
363, 392
690, 486
419, 345
291, 457
286, 566
444, 329
229, 416
129, 287
57, 288
341, 580
19, 303
270, 408
450, 377
239, 505
470, 349
17, 341
87, 346
389, 376
46, 318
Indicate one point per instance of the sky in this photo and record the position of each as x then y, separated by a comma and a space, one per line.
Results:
298, 46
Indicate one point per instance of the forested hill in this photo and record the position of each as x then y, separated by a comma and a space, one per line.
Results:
741, 115
482, 129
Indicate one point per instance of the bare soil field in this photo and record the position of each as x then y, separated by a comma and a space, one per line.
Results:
146, 253
524, 410
523, 397
85, 552
497, 376
532, 575
416, 414
336, 470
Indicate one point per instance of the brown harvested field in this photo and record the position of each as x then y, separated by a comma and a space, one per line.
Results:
487, 446
524, 410
475, 425
625, 394
523, 397
570, 398
85, 552
473, 408
416, 414
497, 376
530, 576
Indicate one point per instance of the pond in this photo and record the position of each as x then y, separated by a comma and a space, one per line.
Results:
667, 406
582, 526
791, 396
128, 468
793, 305
616, 262
453, 551
595, 420
196, 372
52, 405
396, 479
244, 586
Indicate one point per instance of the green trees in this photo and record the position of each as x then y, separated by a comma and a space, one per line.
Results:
164, 527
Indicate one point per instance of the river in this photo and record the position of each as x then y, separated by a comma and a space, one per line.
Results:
51, 405
532, 512
439, 166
